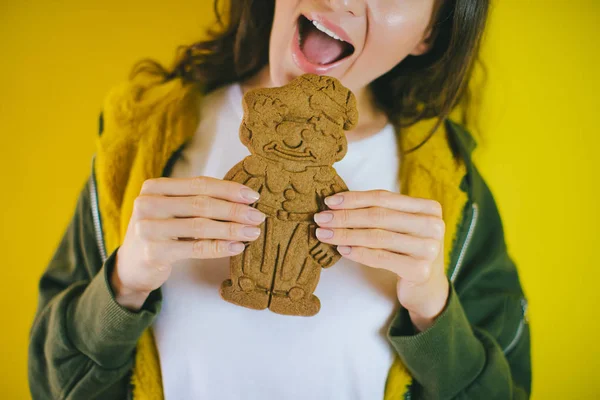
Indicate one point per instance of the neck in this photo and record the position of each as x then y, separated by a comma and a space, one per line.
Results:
371, 119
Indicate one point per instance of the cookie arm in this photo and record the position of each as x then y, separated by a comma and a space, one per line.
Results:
235, 174
324, 253
239, 174
335, 185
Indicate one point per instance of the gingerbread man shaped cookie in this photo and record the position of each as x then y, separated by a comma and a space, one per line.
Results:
294, 133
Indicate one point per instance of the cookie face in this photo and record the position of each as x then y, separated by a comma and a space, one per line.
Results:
301, 124
294, 133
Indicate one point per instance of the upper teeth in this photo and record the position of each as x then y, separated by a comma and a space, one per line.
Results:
322, 28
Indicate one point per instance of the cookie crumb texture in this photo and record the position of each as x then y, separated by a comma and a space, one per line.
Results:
294, 133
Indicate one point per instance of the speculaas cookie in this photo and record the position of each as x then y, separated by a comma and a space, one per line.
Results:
294, 133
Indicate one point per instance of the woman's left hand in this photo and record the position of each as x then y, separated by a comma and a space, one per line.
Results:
403, 234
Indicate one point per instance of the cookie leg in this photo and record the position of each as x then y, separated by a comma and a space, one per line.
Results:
296, 278
250, 283
246, 294
295, 302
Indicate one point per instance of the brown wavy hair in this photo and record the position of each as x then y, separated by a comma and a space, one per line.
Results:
419, 87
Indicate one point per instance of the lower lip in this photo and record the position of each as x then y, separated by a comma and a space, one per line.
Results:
303, 63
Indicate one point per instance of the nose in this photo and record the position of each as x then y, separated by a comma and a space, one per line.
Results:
354, 7
292, 142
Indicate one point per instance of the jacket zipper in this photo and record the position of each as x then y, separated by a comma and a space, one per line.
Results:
463, 250
99, 235
520, 328
96, 214
459, 262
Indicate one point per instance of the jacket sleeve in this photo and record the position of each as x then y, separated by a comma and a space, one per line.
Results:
82, 341
479, 346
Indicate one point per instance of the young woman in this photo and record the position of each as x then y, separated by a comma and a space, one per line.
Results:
425, 302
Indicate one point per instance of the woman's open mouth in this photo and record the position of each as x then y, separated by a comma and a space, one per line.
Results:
317, 49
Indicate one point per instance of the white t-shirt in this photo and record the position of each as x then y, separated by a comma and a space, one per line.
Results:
212, 349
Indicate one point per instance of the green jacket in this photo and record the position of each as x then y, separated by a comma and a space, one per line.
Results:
84, 345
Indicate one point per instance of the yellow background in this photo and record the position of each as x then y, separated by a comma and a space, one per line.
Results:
539, 154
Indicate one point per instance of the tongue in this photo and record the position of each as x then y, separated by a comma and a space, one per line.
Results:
320, 48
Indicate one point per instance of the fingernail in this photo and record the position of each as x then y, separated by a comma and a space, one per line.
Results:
251, 231
345, 250
236, 247
334, 200
249, 194
256, 216
323, 217
324, 233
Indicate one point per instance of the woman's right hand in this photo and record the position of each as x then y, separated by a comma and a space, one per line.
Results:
179, 218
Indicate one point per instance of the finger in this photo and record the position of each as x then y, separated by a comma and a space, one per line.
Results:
195, 228
385, 199
413, 246
402, 265
425, 226
157, 207
168, 252
200, 185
